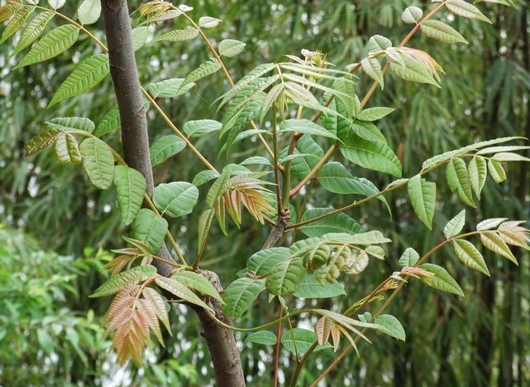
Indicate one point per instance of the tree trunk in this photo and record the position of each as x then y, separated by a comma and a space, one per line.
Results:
221, 341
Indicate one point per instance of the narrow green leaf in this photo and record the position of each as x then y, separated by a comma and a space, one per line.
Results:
197, 283
240, 295
337, 223
71, 123
130, 189
175, 199
87, 74
246, 81
8, 10
169, 88
45, 341
374, 114
492, 241
303, 340
391, 326
217, 187
506, 148
109, 123
98, 162
477, 169
368, 131
412, 15
43, 140
181, 291
33, 30
496, 171
488, 224
285, 277
199, 128
262, 337
187, 33
165, 147
373, 237
67, 150
89, 12
150, 229
440, 31
455, 225
458, 180
231, 47
371, 155
509, 156
442, 280
52, 44
422, 195
470, 256
311, 288
17, 22
204, 70
409, 258
209, 22
372, 68
204, 177
465, 9
306, 127
205, 221
263, 261
124, 279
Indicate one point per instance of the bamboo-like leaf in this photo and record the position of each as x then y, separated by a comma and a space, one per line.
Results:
312, 288
477, 169
337, 223
496, 171
441, 280
17, 21
285, 277
262, 337
204, 70
197, 283
109, 123
470, 256
181, 291
71, 123
67, 150
374, 114
302, 341
371, 155
440, 31
33, 30
458, 180
130, 189
372, 68
378, 43
175, 199
199, 128
492, 241
412, 15
124, 279
165, 147
98, 162
169, 88
465, 9
231, 47
263, 261
240, 295
89, 12
150, 229
52, 44
209, 22
43, 140
187, 33
391, 326
422, 195
409, 258
87, 74
455, 225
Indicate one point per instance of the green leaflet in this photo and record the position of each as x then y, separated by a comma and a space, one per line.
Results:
300, 167
239, 123
130, 189
165, 147
52, 44
391, 326
306, 127
263, 261
204, 177
337, 223
378, 43
139, 37
412, 15
372, 68
98, 162
422, 195
470, 256
197, 283
371, 155
43, 140
231, 47
409, 258
89, 12
199, 128
169, 88
285, 277
87, 74
455, 225
124, 279
7, 11
240, 295
181, 291
67, 150
465, 9
45, 341
109, 123
205, 221
56, 4
187, 33
437, 30
368, 131
262, 337
458, 180
150, 229
442, 280
301, 342
492, 241
477, 169
17, 22
374, 114
488, 224
311, 288
71, 123
496, 171
33, 30
413, 71
209, 22
246, 81
175, 199
204, 70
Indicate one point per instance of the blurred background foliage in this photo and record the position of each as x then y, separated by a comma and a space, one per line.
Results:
49, 332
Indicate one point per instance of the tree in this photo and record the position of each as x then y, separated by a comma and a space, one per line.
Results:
278, 95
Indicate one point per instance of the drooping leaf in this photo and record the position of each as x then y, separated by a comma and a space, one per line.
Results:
43, 140
310, 287
87, 74
441, 280
302, 341
496, 171
199, 128
165, 147
263, 261
455, 225
262, 337
458, 180
337, 223
285, 277
422, 195
181, 291
196, 282
150, 229
52, 44
175, 199
67, 150
492, 241
437, 30
124, 279
391, 326
465, 9
169, 88
33, 30
187, 33
231, 47
98, 162
470, 256
240, 295
89, 12
204, 70
477, 169
130, 189
409, 258
509, 156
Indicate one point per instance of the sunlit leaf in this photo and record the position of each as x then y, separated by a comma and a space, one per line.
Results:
196, 282
89, 12
391, 326
458, 180
17, 22
199, 128
477, 169
187, 33
437, 30
496, 171
412, 15
465, 9
33, 30
495, 243
209, 22
455, 225
231, 47
470, 256
43, 140
374, 114
169, 88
